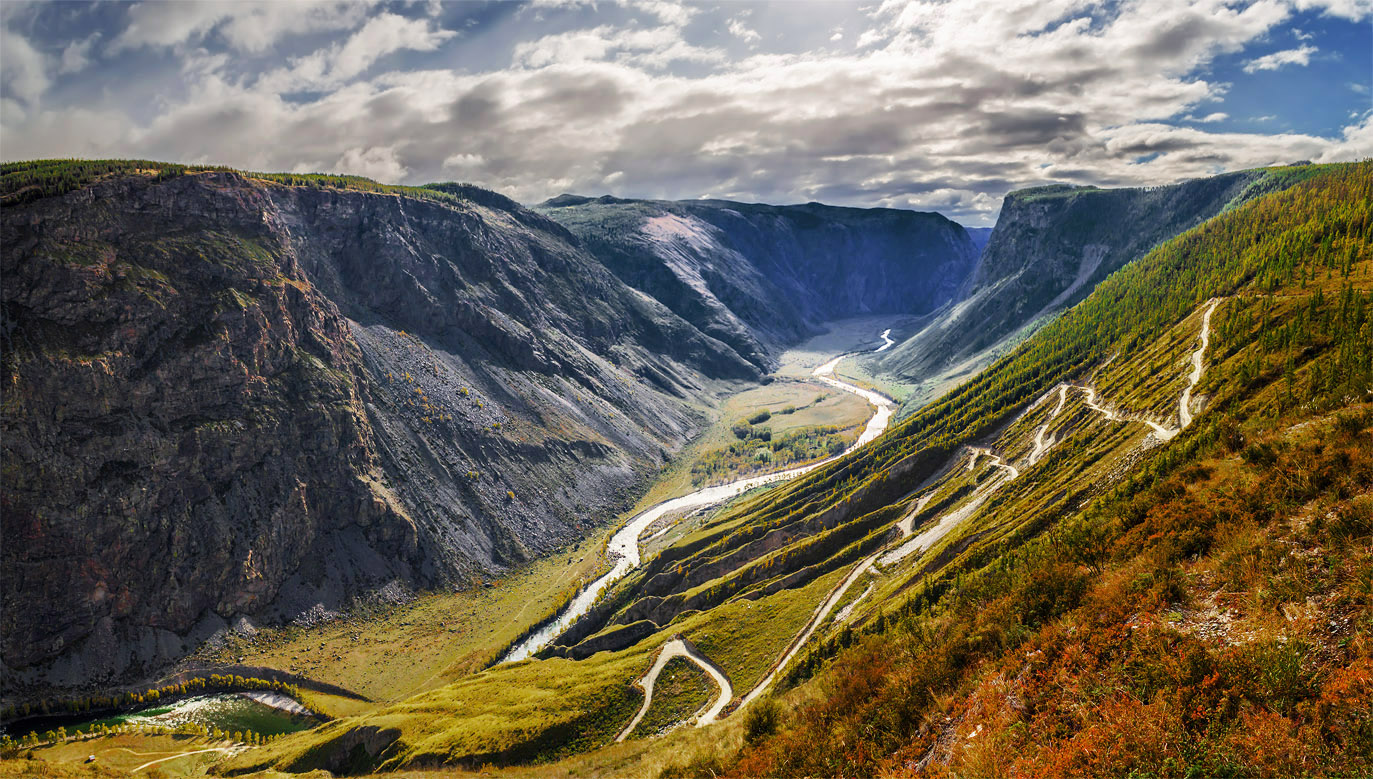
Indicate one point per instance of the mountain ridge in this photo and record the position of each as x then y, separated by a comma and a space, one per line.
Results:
501, 389
1051, 245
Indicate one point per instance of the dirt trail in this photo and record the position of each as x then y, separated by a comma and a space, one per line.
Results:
1042, 444
183, 754
817, 618
847, 611
1162, 432
997, 462
1184, 403
679, 648
951, 520
906, 523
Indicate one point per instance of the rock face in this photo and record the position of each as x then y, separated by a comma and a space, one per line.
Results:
226, 397
760, 276
1049, 249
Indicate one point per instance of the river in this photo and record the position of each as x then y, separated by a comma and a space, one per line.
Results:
624, 545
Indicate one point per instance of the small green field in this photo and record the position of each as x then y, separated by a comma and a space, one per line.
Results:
816, 405
681, 690
781, 425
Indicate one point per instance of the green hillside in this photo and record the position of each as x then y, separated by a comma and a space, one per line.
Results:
1206, 614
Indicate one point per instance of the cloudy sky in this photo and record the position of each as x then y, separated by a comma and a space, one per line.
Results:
930, 105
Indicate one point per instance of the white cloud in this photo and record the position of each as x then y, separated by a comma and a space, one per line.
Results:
653, 47
23, 69
944, 105
668, 12
77, 55
250, 26
1278, 59
382, 35
740, 29
1353, 10
380, 163
463, 164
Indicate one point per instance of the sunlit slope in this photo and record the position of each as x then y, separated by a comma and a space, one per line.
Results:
1132, 342
1199, 607
1051, 246
1285, 278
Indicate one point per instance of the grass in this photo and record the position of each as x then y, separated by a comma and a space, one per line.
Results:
744, 637
842, 409
681, 690
433, 640
116, 756
532, 711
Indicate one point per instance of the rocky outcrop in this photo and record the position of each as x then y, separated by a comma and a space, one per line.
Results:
183, 426
1050, 247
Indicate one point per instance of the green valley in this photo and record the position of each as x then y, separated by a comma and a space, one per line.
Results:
418, 481
1151, 518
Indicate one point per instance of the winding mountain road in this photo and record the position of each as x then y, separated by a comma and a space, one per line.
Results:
679, 648
951, 520
1162, 432
1185, 402
1042, 444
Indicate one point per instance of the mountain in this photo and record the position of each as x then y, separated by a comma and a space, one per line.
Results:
1137, 543
227, 396
1051, 246
758, 276
241, 396
1132, 601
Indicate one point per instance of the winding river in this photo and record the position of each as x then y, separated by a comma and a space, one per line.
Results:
624, 545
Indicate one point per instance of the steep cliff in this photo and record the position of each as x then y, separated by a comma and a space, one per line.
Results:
1050, 247
760, 276
224, 397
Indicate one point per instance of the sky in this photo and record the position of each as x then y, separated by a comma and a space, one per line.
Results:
933, 106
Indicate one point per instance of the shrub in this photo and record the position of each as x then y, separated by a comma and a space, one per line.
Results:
761, 720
